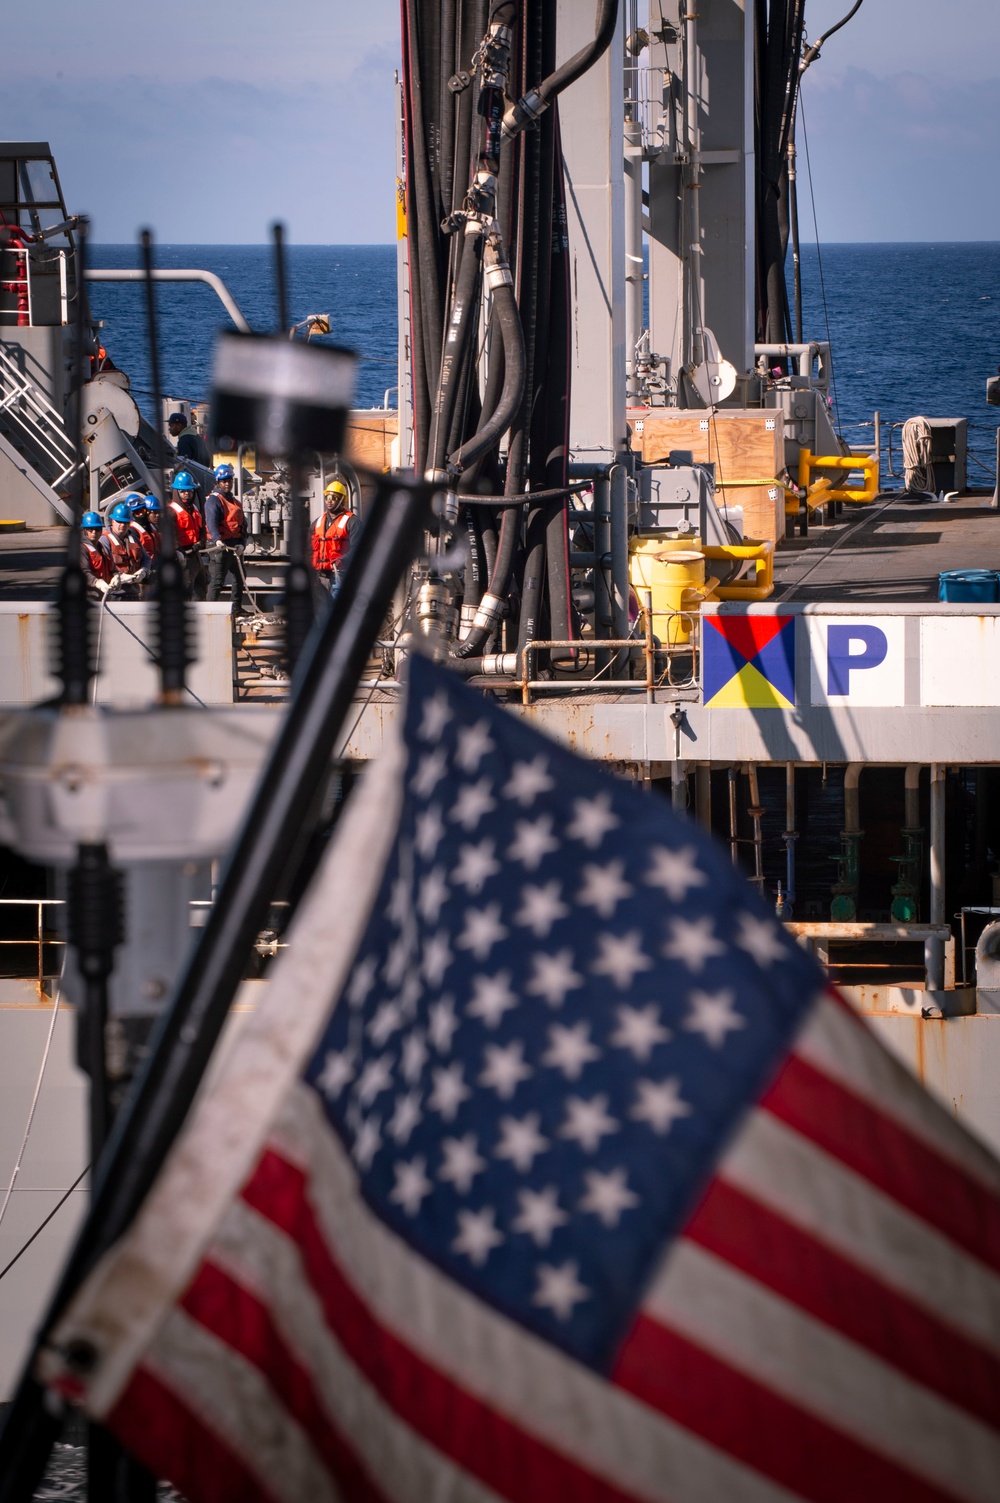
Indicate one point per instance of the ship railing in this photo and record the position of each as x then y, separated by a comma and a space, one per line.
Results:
669, 664
26, 405
39, 937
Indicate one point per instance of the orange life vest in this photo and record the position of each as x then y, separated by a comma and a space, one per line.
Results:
233, 526
146, 539
190, 525
330, 541
97, 560
125, 552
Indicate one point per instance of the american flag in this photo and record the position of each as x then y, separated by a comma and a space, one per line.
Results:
548, 1170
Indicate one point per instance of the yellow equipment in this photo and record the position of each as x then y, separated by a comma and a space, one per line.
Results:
675, 576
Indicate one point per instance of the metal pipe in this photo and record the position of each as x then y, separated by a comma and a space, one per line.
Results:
911, 795
852, 796
804, 353
189, 274
789, 837
934, 948
703, 794
678, 767
618, 527
756, 812
633, 245
692, 184
734, 842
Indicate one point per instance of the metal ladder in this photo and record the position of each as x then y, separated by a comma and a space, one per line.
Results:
33, 427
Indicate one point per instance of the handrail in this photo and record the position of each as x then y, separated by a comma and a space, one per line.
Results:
646, 644
187, 274
26, 405
39, 938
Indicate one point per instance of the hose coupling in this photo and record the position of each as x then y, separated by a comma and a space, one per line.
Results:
500, 665
488, 612
524, 113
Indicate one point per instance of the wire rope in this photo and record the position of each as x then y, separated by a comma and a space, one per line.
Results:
34, 1100
819, 258
40, 1229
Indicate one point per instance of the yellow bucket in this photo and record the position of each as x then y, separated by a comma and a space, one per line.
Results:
676, 579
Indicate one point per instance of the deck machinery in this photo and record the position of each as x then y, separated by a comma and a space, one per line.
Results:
602, 369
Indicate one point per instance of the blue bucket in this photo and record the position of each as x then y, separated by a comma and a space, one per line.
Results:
977, 586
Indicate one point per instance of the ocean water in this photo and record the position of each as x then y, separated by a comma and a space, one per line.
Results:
915, 328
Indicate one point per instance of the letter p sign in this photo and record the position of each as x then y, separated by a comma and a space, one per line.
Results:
849, 648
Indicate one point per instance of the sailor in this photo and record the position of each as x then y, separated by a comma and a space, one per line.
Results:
147, 538
333, 535
98, 570
152, 522
190, 528
189, 442
129, 559
226, 525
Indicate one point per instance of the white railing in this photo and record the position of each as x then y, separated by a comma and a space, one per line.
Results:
25, 405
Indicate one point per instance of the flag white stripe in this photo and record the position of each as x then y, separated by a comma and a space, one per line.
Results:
232, 1398
267, 1263
785, 1171
536, 1386
123, 1301
843, 1384
834, 1043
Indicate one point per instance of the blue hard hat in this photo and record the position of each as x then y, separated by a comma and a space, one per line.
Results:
91, 519
119, 513
182, 481
136, 502
225, 472
151, 503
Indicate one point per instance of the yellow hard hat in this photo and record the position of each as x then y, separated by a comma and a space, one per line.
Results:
336, 487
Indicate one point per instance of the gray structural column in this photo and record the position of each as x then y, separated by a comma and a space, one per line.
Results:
724, 279
591, 113
935, 948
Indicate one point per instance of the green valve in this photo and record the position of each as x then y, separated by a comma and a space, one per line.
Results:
844, 908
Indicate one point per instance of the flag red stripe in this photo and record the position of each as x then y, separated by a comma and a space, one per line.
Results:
902, 1167
174, 1442
478, 1438
755, 1424
762, 1244
224, 1307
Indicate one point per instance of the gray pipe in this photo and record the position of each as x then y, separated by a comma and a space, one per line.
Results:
190, 274
852, 797
934, 948
911, 786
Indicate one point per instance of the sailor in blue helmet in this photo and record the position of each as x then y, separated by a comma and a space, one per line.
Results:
138, 510
226, 525
189, 529
94, 560
129, 559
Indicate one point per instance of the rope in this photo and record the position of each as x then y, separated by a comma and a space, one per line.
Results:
819, 257
34, 1100
919, 470
39, 1229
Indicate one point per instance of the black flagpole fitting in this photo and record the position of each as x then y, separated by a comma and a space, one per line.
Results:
74, 634
174, 653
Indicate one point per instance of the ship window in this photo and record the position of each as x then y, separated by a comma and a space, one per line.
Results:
8, 194
38, 183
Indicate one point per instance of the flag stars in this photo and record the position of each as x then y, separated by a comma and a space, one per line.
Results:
362, 980
437, 714
411, 1186
533, 841
337, 1072
762, 940
383, 1025
587, 1122
608, 1195
442, 1023
432, 895
437, 958
491, 998
559, 1289
527, 780
414, 1055
552, 977
592, 820
478, 1235
482, 931
405, 1117
676, 872
375, 1078
639, 1030
448, 1091
659, 1104
713, 1015
505, 1068
570, 1049
430, 770
473, 744
604, 888
471, 803
621, 957
462, 1162
429, 832
541, 907
367, 1143
476, 863
539, 1214
521, 1141
693, 941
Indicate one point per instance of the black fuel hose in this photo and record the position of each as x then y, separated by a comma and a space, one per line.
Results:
461, 328
509, 324
531, 105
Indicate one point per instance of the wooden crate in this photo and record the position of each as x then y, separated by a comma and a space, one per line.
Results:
743, 445
369, 439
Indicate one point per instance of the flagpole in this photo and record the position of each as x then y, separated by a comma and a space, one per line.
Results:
161, 1095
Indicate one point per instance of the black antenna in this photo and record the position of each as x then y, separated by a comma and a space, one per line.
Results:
173, 642
280, 277
75, 665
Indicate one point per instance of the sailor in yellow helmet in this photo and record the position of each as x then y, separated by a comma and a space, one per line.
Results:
334, 534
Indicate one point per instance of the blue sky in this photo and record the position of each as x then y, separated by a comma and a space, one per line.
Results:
209, 121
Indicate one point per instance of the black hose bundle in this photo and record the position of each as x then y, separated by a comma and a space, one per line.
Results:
778, 47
